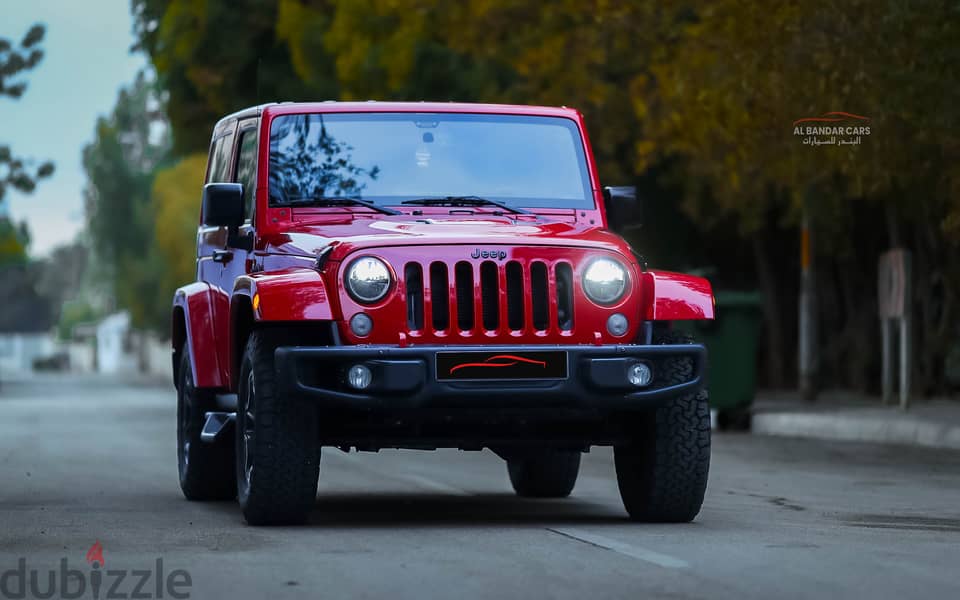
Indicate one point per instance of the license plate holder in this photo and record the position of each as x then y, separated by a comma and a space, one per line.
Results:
506, 365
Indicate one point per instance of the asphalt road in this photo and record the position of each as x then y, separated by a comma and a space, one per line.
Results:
86, 460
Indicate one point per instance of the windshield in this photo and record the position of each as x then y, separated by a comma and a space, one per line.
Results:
389, 158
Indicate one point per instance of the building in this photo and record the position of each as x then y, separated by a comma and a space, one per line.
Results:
26, 323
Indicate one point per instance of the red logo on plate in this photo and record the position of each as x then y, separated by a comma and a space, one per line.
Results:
510, 358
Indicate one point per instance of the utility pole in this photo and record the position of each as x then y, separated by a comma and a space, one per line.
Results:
894, 303
807, 351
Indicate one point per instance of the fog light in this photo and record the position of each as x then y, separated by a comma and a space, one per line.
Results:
361, 325
639, 374
617, 324
359, 377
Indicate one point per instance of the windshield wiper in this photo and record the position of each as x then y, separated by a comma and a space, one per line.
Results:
340, 201
465, 201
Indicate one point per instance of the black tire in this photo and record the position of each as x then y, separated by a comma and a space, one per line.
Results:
206, 470
663, 473
277, 444
544, 474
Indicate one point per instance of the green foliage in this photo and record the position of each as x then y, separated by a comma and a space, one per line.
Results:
176, 205
695, 101
120, 165
73, 313
215, 57
19, 173
13, 244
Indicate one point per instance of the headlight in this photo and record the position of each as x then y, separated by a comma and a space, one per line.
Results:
604, 281
368, 279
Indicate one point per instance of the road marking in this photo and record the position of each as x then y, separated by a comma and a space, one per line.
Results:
661, 560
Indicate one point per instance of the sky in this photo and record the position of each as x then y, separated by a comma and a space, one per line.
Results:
87, 61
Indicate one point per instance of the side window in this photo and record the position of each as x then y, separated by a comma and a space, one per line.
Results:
219, 169
247, 170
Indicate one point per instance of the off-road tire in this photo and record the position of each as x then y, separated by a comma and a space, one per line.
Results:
545, 474
663, 472
206, 470
281, 488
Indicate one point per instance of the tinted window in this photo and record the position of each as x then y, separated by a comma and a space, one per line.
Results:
391, 157
247, 169
219, 167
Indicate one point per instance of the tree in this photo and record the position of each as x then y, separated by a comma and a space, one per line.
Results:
13, 244
176, 205
215, 57
726, 98
129, 145
15, 172
694, 101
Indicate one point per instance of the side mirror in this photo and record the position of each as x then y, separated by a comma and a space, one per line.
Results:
223, 205
622, 207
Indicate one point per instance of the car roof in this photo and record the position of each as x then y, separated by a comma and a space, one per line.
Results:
331, 106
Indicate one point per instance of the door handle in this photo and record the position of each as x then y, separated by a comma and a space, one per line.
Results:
222, 256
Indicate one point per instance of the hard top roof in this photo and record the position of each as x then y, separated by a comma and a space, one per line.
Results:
411, 107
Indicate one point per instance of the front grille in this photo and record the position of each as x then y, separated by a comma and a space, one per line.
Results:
490, 296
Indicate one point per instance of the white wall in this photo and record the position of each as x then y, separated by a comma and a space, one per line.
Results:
114, 354
18, 351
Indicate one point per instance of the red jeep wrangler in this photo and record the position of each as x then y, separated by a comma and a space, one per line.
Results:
415, 275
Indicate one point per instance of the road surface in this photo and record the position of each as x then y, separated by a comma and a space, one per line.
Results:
85, 460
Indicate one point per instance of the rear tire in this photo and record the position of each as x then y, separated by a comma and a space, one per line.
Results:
545, 474
663, 472
277, 442
206, 470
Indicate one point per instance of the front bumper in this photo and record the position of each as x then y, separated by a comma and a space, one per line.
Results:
406, 378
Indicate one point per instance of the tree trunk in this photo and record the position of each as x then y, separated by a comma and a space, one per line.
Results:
773, 324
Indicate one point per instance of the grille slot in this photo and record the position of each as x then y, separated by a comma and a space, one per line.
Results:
413, 277
539, 299
514, 296
439, 296
489, 295
564, 297
463, 274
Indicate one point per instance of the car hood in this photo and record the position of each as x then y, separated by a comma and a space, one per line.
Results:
352, 234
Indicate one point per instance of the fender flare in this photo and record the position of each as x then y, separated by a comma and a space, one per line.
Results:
295, 294
672, 296
196, 308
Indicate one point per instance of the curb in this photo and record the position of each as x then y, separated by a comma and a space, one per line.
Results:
902, 430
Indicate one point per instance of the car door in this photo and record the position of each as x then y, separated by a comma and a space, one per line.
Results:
237, 257
211, 241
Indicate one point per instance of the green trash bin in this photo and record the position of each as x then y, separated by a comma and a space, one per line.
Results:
731, 341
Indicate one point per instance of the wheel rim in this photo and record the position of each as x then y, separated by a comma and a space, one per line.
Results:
248, 430
186, 395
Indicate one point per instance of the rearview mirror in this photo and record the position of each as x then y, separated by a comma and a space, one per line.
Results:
223, 205
622, 207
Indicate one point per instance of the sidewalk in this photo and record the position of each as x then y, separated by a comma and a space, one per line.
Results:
841, 415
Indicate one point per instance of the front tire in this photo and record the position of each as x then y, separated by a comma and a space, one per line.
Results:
662, 473
206, 470
544, 474
277, 445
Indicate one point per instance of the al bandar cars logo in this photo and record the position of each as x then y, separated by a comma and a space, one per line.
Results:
835, 128
95, 582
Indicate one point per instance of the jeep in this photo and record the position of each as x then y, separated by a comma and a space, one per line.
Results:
423, 275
